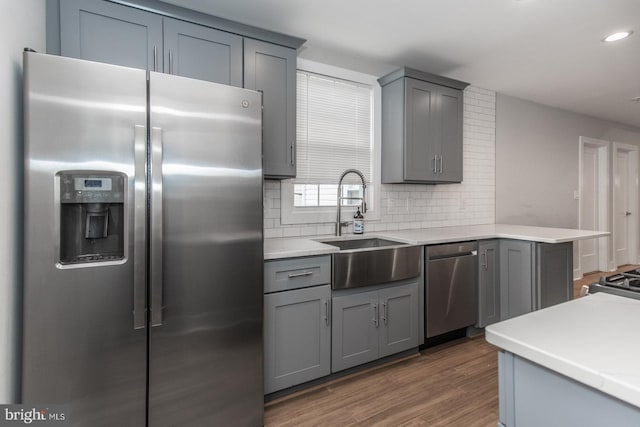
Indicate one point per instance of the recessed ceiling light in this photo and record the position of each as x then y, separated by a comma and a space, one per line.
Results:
617, 36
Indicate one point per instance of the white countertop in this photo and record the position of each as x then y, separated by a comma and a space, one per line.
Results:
295, 247
593, 340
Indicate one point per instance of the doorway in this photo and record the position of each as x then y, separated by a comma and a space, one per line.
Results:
594, 202
625, 204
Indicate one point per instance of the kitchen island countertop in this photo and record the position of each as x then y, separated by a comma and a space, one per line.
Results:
592, 340
306, 246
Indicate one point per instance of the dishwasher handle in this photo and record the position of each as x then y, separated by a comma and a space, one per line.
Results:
452, 250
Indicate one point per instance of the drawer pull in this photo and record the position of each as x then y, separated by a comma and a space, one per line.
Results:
305, 273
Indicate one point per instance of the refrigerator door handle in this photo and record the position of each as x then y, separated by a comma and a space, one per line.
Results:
156, 227
139, 228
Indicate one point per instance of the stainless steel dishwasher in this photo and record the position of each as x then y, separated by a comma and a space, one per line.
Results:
451, 287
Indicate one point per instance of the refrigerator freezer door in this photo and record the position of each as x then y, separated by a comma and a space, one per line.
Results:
205, 356
84, 342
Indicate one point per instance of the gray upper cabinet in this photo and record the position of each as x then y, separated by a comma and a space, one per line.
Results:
421, 128
488, 282
450, 137
200, 52
101, 31
272, 70
167, 38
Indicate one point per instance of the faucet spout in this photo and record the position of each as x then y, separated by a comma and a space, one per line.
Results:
340, 198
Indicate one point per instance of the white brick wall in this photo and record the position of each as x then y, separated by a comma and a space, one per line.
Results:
405, 206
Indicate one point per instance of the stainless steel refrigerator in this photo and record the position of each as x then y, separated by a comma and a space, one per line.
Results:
143, 246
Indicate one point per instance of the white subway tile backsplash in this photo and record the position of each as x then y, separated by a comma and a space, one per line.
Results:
406, 206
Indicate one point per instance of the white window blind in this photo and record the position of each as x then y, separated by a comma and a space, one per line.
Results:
333, 131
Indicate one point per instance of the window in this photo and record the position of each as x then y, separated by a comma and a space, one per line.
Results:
334, 133
338, 128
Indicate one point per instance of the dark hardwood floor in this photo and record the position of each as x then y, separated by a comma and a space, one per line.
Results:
454, 384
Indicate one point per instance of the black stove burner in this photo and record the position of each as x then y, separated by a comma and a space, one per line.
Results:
622, 281
635, 273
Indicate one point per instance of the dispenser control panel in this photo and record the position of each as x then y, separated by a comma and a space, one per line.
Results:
93, 184
91, 188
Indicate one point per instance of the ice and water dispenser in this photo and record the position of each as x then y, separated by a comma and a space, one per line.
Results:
91, 216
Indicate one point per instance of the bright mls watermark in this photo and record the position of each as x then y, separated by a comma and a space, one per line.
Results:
35, 415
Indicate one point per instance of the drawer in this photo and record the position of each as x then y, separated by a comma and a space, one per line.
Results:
294, 273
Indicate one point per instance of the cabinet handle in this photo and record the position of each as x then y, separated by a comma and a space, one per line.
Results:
484, 260
155, 58
435, 164
440, 164
170, 61
304, 273
326, 312
293, 155
384, 312
375, 314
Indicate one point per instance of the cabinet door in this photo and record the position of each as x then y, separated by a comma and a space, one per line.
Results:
200, 52
488, 283
516, 278
422, 146
297, 328
354, 330
450, 126
107, 32
272, 70
399, 320
554, 273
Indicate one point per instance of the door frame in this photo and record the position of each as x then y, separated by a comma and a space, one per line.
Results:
632, 194
604, 183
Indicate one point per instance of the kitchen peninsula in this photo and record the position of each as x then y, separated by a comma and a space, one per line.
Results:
573, 364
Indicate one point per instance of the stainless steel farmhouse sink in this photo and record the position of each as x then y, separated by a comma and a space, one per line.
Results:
374, 242
373, 261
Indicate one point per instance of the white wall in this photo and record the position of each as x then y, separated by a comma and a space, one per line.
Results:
537, 160
23, 25
405, 206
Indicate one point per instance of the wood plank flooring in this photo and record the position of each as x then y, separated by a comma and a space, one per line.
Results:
454, 384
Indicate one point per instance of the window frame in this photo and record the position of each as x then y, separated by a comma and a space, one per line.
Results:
289, 214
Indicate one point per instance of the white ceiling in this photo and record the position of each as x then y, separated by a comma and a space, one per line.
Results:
548, 51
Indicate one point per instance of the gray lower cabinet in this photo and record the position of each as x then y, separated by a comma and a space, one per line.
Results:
102, 31
297, 343
200, 52
272, 70
534, 276
516, 277
554, 273
373, 324
488, 282
421, 128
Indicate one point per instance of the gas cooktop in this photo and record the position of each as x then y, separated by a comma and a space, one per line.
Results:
625, 284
